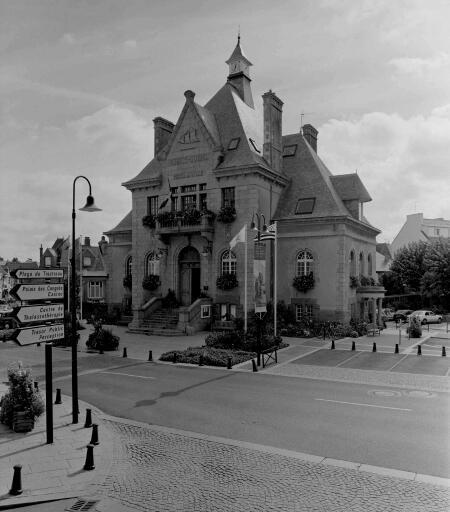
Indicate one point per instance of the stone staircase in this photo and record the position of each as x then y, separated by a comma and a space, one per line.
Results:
162, 322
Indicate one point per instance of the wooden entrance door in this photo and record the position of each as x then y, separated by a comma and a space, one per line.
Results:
189, 265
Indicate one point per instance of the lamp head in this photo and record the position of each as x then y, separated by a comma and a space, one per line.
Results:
90, 205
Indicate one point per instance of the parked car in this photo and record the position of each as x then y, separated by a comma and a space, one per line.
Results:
7, 322
387, 314
426, 317
401, 314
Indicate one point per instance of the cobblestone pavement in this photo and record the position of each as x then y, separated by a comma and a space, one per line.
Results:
162, 470
379, 378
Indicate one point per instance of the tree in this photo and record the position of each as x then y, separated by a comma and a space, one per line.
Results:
436, 279
408, 265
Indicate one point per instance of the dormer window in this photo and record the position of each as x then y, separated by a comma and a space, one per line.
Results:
255, 147
305, 206
290, 150
87, 261
48, 261
234, 143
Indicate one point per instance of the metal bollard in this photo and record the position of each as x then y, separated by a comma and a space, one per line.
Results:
174, 357
58, 396
16, 487
443, 352
88, 422
150, 355
396, 349
89, 463
353, 345
200, 360
332, 345
374, 347
100, 350
124, 352
229, 366
419, 350
254, 367
94, 436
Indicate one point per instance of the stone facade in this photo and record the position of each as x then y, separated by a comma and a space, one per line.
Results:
216, 156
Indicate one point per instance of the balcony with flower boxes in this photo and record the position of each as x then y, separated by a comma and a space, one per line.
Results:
185, 222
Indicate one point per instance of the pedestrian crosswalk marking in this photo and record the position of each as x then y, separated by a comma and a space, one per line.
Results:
364, 405
129, 375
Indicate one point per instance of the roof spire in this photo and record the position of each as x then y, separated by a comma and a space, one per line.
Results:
239, 34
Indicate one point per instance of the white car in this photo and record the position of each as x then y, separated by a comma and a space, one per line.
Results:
425, 317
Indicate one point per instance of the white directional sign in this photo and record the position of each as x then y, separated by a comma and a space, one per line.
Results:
43, 313
40, 334
38, 291
39, 273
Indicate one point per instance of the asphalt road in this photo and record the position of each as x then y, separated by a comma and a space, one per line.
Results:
401, 429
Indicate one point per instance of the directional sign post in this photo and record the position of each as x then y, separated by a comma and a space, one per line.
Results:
38, 291
42, 313
39, 334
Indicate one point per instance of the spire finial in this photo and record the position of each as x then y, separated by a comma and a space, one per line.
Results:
239, 34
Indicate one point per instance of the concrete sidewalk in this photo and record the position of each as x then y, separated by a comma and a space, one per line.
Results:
53, 471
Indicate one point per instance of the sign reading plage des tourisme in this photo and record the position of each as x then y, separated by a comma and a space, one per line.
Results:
43, 313
39, 273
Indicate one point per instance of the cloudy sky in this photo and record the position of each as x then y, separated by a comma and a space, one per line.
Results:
81, 81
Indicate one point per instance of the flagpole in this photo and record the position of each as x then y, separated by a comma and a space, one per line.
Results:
275, 246
245, 281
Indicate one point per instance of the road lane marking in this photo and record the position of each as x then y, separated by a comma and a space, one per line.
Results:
129, 375
363, 405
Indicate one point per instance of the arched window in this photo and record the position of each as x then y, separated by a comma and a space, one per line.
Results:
128, 266
228, 263
152, 264
305, 263
369, 265
361, 264
352, 263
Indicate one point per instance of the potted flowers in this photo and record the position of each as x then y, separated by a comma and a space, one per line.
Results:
149, 221
151, 282
226, 214
22, 404
303, 283
227, 281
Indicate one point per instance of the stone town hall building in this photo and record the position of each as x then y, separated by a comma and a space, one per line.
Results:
212, 171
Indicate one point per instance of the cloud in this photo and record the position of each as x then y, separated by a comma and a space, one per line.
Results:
419, 66
403, 162
68, 39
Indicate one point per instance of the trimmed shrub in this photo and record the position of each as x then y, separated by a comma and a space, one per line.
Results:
102, 339
170, 300
211, 356
21, 396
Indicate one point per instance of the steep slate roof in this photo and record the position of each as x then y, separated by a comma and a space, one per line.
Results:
384, 249
350, 186
124, 225
236, 119
309, 177
237, 54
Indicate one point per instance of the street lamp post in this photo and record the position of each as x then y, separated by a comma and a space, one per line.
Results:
88, 207
259, 226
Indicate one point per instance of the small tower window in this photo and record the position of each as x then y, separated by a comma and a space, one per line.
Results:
228, 263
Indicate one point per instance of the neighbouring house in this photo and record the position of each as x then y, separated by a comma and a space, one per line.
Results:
216, 170
89, 264
383, 258
417, 228
7, 279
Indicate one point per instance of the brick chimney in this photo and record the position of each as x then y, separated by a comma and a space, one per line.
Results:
310, 135
163, 130
273, 116
102, 245
87, 241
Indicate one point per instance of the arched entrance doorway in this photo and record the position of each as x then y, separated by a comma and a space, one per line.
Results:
189, 267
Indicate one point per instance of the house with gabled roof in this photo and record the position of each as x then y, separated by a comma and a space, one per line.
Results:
214, 172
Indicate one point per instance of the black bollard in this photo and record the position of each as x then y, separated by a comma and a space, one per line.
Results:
100, 349
332, 345
254, 367
353, 345
396, 349
174, 357
36, 385
88, 422
16, 487
150, 355
94, 437
229, 364
89, 463
374, 348
58, 396
200, 360
443, 352
124, 352
419, 350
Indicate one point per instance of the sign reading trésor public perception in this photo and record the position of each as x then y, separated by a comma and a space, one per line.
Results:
39, 334
38, 291
43, 313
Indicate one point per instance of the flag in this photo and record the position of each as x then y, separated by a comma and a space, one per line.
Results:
167, 198
240, 237
270, 234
